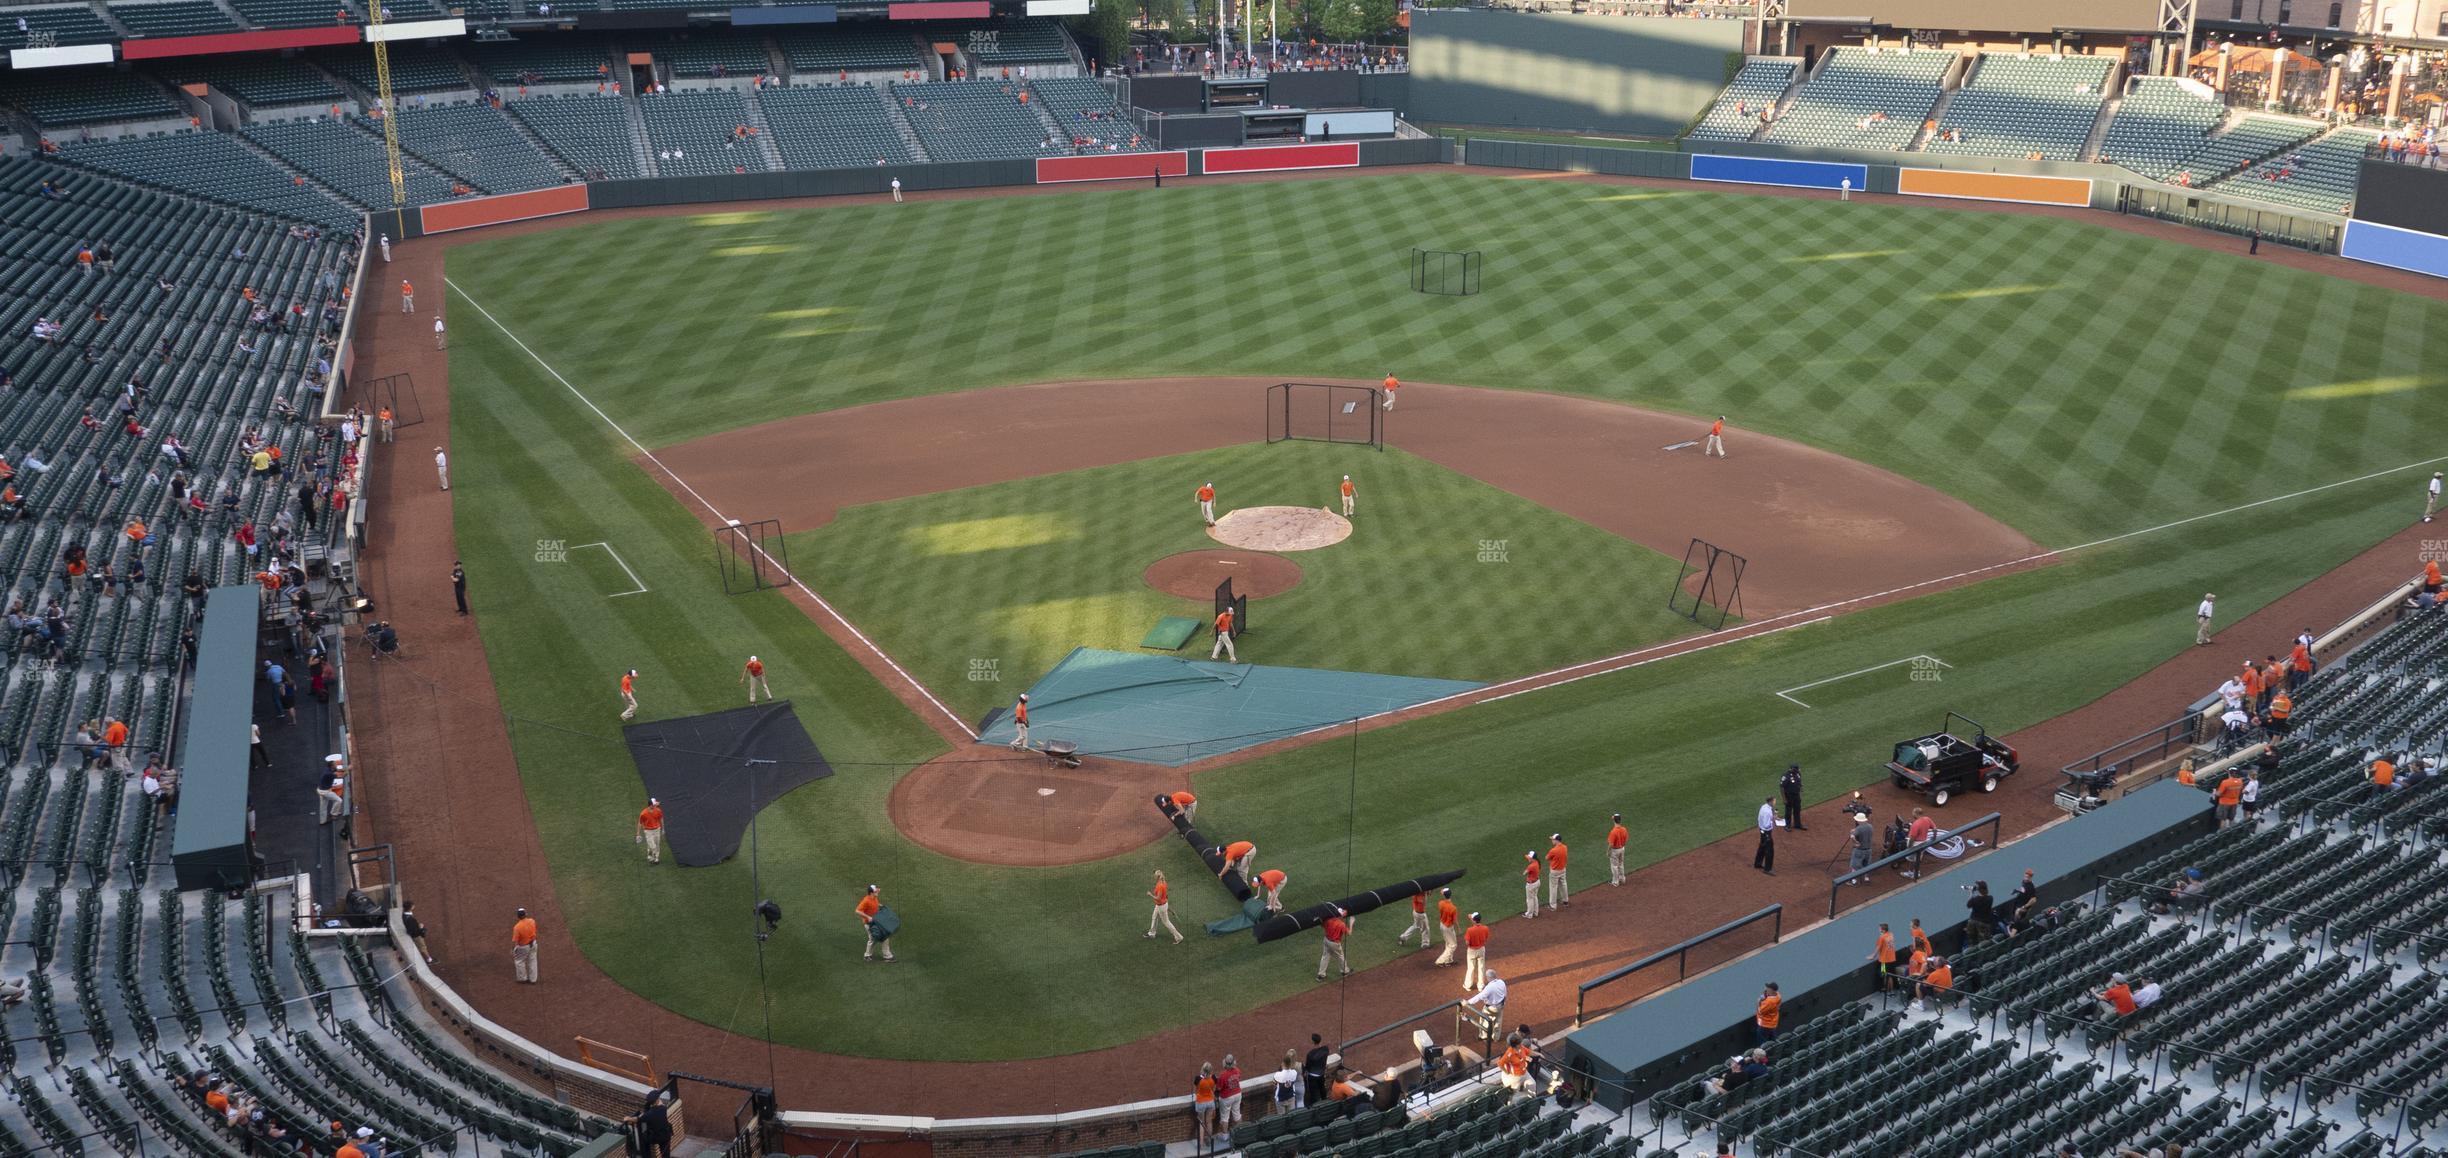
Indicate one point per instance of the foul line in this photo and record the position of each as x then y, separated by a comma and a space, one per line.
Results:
624, 565
1787, 694
649, 456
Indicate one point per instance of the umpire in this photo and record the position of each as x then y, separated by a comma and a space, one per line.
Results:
1791, 785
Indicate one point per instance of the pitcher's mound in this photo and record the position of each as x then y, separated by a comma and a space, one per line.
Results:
1195, 574
1281, 528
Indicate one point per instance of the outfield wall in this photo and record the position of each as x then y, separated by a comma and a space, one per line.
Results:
1638, 76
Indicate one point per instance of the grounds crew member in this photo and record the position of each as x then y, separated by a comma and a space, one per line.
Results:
1617, 838
1240, 854
753, 675
1474, 955
1558, 893
2201, 619
1206, 502
650, 830
523, 964
1163, 896
1224, 637
1020, 722
868, 907
1338, 926
1419, 921
629, 694
1347, 497
2431, 496
1270, 884
1530, 876
1716, 439
1186, 804
1391, 385
1447, 915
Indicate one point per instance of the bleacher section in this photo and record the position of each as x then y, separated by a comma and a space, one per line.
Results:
715, 53
293, 13
1736, 115
85, 96
692, 133
2298, 1014
557, 59
850, 48
1488, 1122
2161, 121
76, 25
1863, 99
2250, 140
590, 132
214, 165
474, 142
833, 127
2320, 176
174, 18
261, 81
2019, 106
414, 68
347, 160
974, 120
1027, 40
1085, 110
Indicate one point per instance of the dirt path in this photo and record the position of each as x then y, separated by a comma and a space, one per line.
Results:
441, 784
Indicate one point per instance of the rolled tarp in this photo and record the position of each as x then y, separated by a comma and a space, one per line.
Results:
1284, 924
1210, 854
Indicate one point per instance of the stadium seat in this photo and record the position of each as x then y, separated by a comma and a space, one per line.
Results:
2025, 106
1757, 86
833, 127
692, 132
590, 132
1864, 99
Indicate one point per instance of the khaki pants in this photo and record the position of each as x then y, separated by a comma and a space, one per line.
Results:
757, 684
1224, 647
652, 838
1419, 925
1615, 872
437, 345
523, 963
1207, 511
386, 430
2201, 629
1557, 892
1389, 398
1529, 898
443, 473
1163, 916
1715, 446
328, 805
1474, 970
1453, 941
2430, 504
630, 710
873, 945
1019, 733
1274, 900
1333, 951
1347, 506
422, 951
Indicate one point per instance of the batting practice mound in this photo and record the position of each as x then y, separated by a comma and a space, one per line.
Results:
714, 772
1195, 574
1019, 808
1281, 528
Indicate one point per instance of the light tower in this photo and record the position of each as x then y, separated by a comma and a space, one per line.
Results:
388, 109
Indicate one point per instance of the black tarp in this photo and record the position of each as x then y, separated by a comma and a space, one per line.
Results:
1291, 921
1209, 854
713, 772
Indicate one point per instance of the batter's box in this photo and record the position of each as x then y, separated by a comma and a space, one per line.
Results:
1925, 669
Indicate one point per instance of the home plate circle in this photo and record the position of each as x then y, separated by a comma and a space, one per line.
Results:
1281, 528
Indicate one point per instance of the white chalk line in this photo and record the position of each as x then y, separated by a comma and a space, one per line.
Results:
649, 455
624, 565
1787, 694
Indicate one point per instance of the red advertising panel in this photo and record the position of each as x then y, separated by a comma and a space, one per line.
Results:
471, 212
940, 10
1273, 158
1112, 167
147, 48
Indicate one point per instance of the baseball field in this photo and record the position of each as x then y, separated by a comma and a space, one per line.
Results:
2100, 427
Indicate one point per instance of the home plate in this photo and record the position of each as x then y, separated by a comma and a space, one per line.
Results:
1684, 443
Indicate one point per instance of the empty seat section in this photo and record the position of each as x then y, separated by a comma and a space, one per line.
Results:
474, 142
1736, 114
2162, 120
213, 165
693, 133
974, 120
567, 58
2320, 176
84, 96
76, 25
717, 54
1864, 99
844, 48
261, 81
347, 160
413, 69
833, 127
2024, 106
590, 132
175, 18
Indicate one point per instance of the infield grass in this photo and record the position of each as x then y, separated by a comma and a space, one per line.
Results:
2074, 381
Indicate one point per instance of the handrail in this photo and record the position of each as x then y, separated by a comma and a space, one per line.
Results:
1681, 952
2163, 733
1994, 822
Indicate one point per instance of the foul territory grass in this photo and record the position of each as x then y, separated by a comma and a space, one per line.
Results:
2077, 382
980, 591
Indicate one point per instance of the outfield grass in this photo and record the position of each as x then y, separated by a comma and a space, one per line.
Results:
2078, 383
1017, 574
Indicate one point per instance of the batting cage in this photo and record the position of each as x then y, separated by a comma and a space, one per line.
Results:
714, 772
752, 556
1226, 601
1708, 590
396, 393
1324, 412
1451, 273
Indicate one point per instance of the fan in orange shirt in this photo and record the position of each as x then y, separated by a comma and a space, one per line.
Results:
1617, 838
1558, 893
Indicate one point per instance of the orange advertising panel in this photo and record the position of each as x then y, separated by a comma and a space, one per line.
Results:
2075, 191
474, 211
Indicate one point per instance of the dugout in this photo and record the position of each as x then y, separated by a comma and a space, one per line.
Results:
209, 846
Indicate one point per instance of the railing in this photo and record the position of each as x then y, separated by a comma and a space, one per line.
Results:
1994, 822
1405, 1055
1680, 953
2154, 744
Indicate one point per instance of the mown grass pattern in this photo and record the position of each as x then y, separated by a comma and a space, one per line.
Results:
2080, 383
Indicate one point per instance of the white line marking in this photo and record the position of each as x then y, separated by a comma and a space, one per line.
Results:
624, 565
1788, 693
649, 455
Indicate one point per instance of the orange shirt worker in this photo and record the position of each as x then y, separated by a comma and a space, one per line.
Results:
868, 907
1390, 386
1419, 922
407, 297
1474, 955
1617, 838
650, 830
1206, 502
523, 964
1020, 722
1764, 1018
1530, 876
1240, 854
1716, 439
1448, 914
1162, 894
1558, 893
1270, 884
1186, 804
1347, 496
1338, 926
629, 694
753, 675
1224, 637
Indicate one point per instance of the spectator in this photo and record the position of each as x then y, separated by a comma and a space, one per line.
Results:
1764, 1018
2230, 798
1937, 985
2117, 1000
2147, 994
1313, 1071
1287, 1079
2187, 893
1202, 1104
1983, 908
1740, 1071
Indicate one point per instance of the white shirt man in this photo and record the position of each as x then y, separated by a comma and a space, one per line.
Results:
2251, 796
1767, 818
2201, 619
442, 467
2232, 691
385, 239
2146, 996
1490, 999
896, 189
2431, 496
438, 339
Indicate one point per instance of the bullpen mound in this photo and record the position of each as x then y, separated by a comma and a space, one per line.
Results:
1281, 528
1195, 574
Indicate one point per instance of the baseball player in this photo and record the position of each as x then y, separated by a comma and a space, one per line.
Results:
1558, 894
1716, 439
1206, 502
1530, 876
1474, 955
868, 906
1390, 386
753, 675
1347, 496
1447, 915
1338, 926
2431, 496
1419, 921
1616, 839
650, 830
629, 694
1224, 637
1163, 896
1020, 722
